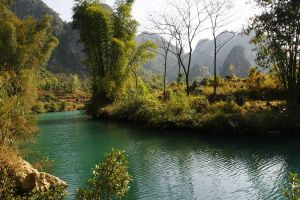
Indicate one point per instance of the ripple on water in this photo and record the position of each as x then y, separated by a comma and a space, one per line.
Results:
166, 167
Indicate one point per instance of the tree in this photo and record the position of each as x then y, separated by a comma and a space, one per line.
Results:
219, 17
277, 34
110, 179
74, 84
184, 26
108, 37
165, 46
25, 47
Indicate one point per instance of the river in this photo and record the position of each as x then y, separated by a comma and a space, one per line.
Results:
169, 165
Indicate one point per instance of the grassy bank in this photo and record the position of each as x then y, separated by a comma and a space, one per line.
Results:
253, 105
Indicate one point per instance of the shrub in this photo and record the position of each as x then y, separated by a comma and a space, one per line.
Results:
199, 103
226, 107
110, 179
39, 107
292, 192
52, 107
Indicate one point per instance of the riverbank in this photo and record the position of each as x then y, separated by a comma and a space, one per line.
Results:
221, 118
241, 107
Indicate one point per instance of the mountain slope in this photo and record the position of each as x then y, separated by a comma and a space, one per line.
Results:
67, 57
203, 54
202, 57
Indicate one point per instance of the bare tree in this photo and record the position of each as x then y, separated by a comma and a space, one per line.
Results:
183, 25
219, 17
165, 46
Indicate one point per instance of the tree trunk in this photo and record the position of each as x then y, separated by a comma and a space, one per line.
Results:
165, 76
187, 84
215, 67
179, 77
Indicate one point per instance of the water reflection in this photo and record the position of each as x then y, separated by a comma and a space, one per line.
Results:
170, 165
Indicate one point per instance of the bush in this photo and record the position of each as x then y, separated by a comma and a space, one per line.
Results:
52, 107
110, 179
293, 191
226, 107
199, 103
7, 183
39, 107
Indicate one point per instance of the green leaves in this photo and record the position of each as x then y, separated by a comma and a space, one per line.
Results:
293, 191
109, 179
25, 46
278, 35
112, 52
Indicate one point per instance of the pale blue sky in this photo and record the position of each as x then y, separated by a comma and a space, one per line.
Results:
143, 8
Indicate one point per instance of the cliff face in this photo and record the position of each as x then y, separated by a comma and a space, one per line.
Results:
68, 56
236, 63
202, 57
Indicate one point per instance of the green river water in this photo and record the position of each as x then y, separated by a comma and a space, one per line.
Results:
169, 165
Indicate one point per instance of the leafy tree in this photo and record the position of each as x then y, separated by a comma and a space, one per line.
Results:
74, 85
25, 46
110, 179
277, 35
109, 42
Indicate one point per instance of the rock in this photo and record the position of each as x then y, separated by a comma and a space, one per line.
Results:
28, 178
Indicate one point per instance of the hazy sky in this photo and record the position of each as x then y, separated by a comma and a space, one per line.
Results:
143, 8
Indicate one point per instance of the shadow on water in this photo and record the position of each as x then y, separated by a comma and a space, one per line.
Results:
170, 164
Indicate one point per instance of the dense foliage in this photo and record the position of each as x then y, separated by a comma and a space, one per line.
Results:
250, 105
278, 35
25, 45
292, 192
61, 92
109, 42
110, 179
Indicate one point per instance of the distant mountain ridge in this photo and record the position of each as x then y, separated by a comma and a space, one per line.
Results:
68, 57
202, 57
